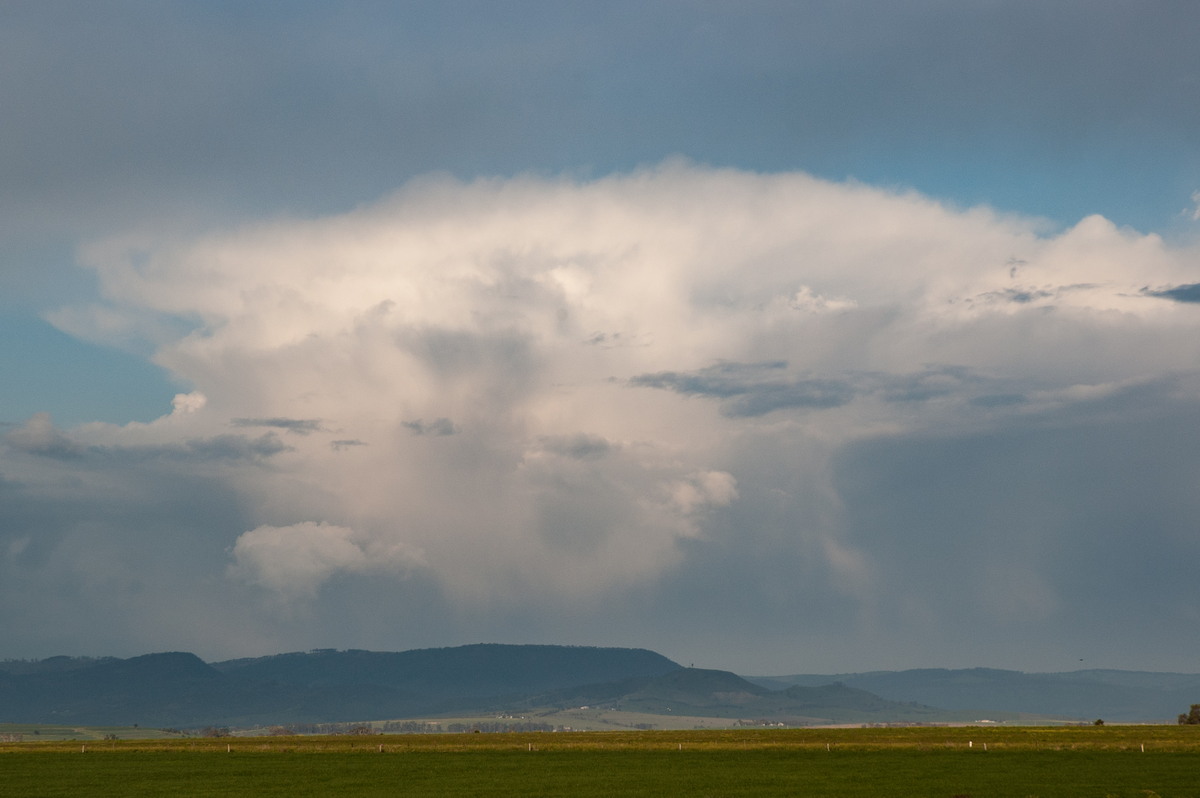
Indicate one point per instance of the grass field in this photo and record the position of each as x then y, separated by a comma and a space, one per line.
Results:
1141, 761
43, 732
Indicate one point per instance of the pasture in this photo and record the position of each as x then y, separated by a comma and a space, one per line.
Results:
1141, 761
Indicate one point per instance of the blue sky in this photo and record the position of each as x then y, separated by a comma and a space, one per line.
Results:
783, 337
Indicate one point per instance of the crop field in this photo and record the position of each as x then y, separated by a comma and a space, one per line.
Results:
1127, 761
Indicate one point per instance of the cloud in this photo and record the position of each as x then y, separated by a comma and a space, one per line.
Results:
39, 436
722, 380
1179, 293
853, 88
1029, 526
577, 447
188, 402
294, 561
645, 404
222, 447
439, 426
750, 388
298, 426
746, 390
708, 489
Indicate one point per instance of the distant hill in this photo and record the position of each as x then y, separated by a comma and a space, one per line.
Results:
180, 690
1087, 694
720, 694
155, 689
451, 673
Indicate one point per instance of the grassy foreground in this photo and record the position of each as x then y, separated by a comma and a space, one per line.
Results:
1043, 762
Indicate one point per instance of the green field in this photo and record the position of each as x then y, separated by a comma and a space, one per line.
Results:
43, 732
1141, 761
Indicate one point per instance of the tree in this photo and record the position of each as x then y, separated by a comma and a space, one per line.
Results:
1192, 718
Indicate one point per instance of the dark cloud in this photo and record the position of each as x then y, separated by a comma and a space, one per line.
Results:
722, 380
807, 393
1000, 400
931, 383
121, 551
747, 390
437, 427
40, 438
1028, 295
220, 447
339, 445
1028, 529
751, 389
299, 426
1180, 293
610, 340
577, 447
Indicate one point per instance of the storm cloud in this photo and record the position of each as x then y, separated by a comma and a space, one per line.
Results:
691, 407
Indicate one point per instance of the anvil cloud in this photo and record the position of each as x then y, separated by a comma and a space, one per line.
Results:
531, 397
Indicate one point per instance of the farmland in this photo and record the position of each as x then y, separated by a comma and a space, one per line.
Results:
929, 761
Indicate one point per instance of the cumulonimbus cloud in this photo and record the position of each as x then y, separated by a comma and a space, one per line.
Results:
554, 387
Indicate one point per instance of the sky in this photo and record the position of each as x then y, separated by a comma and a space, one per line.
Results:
778, 337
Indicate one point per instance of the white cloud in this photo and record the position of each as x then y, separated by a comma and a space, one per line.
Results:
474, 305
294, 560
566, 390
188, 402
808, 300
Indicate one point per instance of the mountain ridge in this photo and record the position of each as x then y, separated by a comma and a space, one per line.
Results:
178, 689
1127, 696
709, 693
